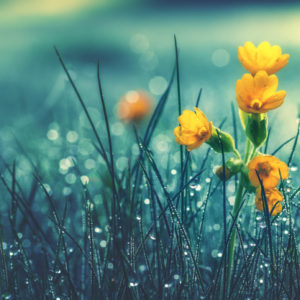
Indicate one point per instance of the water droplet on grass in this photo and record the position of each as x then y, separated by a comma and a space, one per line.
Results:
98, 230
231, 200
110, 266
103, 244
84, 179
133, 284
176, 277
294, 167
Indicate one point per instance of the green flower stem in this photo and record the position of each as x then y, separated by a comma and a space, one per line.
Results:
247, 152
236, 153
253, 153
236, 207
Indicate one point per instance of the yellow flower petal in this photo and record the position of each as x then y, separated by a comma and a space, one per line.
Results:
188, 119
194, 129
273, 197
267, 167
264, 57
257, 94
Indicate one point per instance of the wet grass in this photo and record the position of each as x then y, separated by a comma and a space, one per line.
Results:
155, 234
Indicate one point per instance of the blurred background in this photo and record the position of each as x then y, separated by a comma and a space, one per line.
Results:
134, 41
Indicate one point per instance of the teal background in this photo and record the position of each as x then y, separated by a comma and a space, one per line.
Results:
134, 43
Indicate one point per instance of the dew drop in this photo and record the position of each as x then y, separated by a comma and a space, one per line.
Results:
133, 284
103, 244
84, 179
176, 277
207, 180
110, 266
98, 230
142, 268
294, 167
199, 204
231, 200
262, 225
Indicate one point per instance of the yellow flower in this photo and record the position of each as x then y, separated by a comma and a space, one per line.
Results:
264, 57
194, 129
258, 94
134, 106
267, 167
272, 196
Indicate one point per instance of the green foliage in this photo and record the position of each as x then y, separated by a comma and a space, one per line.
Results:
257, 129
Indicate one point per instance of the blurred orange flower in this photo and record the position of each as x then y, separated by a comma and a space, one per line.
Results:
267, 167
194, 129
134, 106
264, 57
272, 196
257, 94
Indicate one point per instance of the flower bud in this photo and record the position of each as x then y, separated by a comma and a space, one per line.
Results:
222, 175
226, 139
257, 129
234, 165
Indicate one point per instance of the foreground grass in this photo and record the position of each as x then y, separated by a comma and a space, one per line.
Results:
145, 232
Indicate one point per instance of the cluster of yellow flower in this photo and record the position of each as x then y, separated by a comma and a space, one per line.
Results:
269, 169
256, 94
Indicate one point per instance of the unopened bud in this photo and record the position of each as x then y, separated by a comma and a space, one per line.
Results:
257, 129
217, 137
234, 165
223, 175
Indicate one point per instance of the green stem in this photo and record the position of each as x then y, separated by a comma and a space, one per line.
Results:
247, 151
236, 153
253, 153
236, 207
